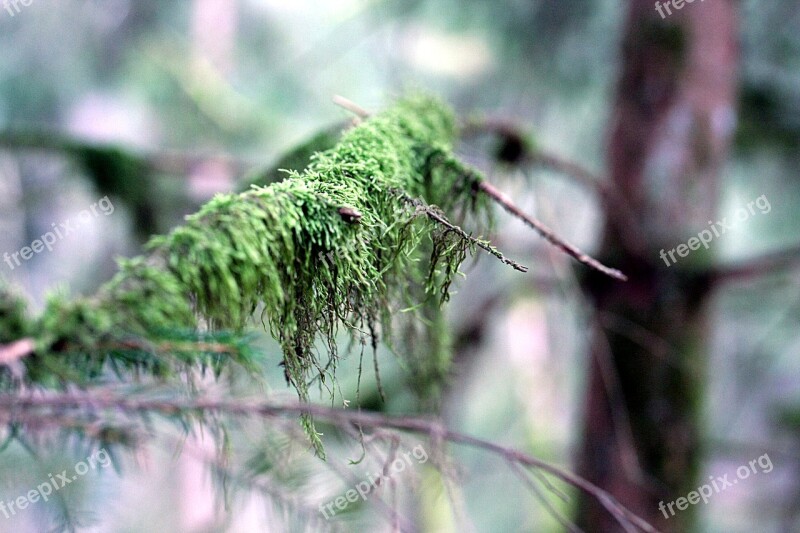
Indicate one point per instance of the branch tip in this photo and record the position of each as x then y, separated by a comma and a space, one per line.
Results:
351, 106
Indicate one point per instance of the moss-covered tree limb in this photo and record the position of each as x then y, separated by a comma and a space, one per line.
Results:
336, 247
515, 147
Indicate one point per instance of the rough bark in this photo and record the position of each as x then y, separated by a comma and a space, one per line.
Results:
672, 122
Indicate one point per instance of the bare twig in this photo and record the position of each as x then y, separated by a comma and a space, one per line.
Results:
617, 207
351, 106
548, 234
13, 406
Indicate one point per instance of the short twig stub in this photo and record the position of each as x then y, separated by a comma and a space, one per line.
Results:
350, 215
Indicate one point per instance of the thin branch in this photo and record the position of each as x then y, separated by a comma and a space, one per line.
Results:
569, 168
351, 106
12, 406
528, 482
548, 234
617, 207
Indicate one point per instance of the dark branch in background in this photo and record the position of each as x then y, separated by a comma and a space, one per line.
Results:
126, 175
20, 409
759, 266
523, 153
9, 353
167, 162
517, 149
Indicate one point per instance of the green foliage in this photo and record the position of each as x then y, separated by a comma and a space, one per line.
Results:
338, 246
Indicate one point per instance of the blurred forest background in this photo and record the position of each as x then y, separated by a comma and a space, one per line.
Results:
210, 93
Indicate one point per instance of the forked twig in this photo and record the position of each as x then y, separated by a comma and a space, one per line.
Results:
437, 217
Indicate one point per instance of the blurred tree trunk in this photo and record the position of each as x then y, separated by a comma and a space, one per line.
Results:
670, 129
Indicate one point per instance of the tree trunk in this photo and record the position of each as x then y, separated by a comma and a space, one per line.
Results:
671, 126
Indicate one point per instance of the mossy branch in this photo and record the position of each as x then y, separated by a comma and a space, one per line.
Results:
262, 250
